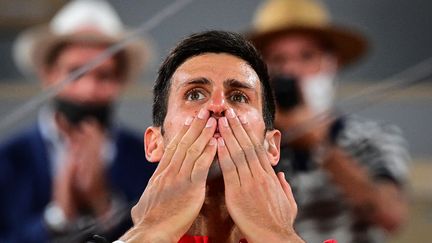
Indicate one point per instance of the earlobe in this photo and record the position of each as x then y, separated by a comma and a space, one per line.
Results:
272, 145
153, 144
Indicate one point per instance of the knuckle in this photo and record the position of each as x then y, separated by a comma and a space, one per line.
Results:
135, 214
236, 124
259, 148
262, 180
183, 143
249, 149
170, 148
239, 155
193, 150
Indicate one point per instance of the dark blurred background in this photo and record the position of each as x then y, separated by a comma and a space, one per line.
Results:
399, 33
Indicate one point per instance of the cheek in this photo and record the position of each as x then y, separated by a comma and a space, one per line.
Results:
110, 89
71, 91
256, 120
175, 119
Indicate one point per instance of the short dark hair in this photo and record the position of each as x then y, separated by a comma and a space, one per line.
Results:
211, 42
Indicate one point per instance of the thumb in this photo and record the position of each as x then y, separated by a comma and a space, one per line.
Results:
288, 192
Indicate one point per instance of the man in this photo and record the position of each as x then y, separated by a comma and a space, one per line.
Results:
74, 172
347, 174
213, 137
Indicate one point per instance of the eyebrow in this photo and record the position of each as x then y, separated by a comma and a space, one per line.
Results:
234, 83
228, 84
201, 81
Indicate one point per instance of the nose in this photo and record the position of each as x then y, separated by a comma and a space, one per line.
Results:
290, 68
217, 105
87, 87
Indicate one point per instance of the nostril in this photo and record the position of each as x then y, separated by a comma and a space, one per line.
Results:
217, 115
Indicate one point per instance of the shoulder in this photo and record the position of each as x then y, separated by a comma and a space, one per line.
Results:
19, 141
378, 145
18, 151
368, 127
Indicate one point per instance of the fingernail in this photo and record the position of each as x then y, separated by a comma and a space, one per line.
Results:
210, 122
212, 141
202, 113
230, 113
221, 142
224, 121
188, 121
243, 119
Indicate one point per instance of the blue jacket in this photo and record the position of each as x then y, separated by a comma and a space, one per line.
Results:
26, 181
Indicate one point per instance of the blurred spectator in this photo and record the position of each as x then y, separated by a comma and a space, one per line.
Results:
347, 174
75, 172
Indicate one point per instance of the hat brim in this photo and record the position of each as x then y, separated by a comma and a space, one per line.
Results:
348, 45
34, 45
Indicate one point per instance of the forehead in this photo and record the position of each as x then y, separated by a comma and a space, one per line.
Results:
294, 42
217, 68
81, 52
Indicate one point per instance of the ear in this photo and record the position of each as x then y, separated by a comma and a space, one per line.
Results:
272, 145
153, 144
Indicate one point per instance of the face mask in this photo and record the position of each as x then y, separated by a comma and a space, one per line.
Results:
75, 112
286, 91
319, 91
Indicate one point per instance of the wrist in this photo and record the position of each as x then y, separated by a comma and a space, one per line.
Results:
282, 236
55, 218
141, 234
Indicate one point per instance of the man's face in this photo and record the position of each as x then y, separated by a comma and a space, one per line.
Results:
302, 57
215, 82
100, 85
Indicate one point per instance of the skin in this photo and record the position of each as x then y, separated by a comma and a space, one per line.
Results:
380, 202
214, 117
81, 182
299, 55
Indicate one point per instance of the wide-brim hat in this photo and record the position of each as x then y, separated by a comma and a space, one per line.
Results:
279, 17
80, 21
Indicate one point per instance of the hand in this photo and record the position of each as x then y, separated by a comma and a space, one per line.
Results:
260, 203
90, 181
63, 192
81, 181
175, 193
302, 127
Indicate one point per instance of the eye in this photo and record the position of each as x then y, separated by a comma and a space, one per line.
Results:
106, 75
194, 94
239, 97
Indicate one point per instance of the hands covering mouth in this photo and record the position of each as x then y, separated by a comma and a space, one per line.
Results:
216, 133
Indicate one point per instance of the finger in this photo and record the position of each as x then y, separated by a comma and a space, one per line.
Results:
197, 148
187, 140
201, 167
245, 142
258, 146
235, 151
172, 146
288, 192
90, 125
228, 168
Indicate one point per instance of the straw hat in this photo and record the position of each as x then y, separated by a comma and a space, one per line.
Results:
80, 21
276, 17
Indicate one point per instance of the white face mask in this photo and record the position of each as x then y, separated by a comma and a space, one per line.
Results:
319, 91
